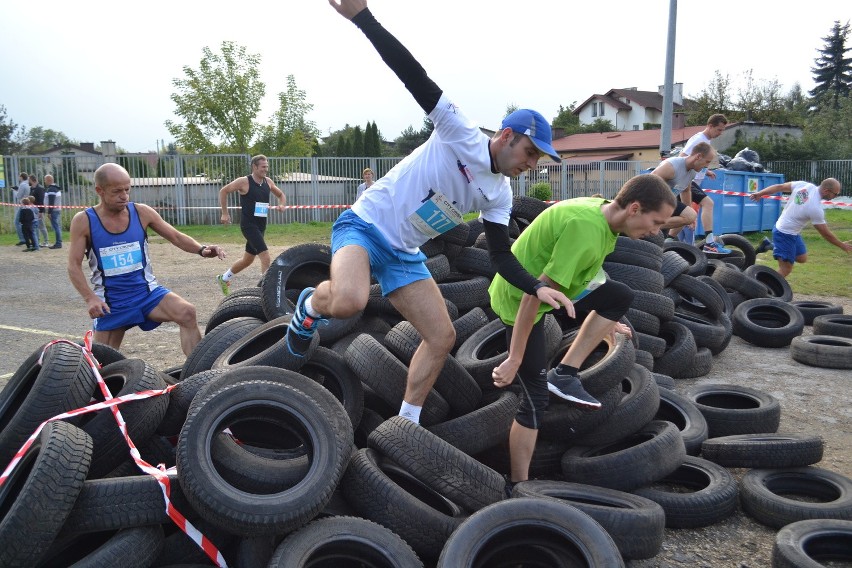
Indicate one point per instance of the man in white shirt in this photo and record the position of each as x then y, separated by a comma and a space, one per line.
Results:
803, 206
715, 126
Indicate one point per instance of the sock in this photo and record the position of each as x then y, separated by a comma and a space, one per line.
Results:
309, 309
228, 275
709, 238
410, 411
567, 370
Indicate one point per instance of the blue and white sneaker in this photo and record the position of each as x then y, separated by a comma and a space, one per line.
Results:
716, 247
302, 326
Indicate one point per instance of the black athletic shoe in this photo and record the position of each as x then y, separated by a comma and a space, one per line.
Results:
302, 326
764, 246
568, 387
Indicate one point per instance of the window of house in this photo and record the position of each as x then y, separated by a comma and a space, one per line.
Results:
594, 109
635, 127
601, 109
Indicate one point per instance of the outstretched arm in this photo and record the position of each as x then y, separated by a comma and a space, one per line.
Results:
826, 233
150, 218
397, 57
782, 187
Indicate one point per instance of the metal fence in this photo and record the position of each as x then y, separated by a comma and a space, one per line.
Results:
185, 188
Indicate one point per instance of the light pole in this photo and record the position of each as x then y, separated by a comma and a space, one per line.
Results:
668, 85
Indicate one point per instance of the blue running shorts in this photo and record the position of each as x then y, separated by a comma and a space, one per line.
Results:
132, 314
787, 247
392, 268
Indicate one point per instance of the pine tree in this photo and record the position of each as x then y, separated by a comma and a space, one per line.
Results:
833, 71
357, 141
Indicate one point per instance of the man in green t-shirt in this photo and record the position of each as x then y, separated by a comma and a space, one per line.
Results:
566, 244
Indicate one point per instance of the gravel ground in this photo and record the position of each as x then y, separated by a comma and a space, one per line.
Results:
40, 304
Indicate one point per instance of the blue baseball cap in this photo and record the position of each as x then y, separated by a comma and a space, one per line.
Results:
532, 124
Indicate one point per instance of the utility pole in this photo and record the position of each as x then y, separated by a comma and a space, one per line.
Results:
668, 85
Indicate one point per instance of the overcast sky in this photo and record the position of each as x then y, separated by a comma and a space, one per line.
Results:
100, 70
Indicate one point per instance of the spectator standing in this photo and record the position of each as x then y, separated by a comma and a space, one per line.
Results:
29, 212
53, 200
21, 191
367, 176
37, 191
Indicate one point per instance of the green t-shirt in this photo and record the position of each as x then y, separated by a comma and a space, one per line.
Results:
568, 241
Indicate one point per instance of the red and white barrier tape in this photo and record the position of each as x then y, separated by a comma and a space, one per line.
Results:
775, 197
160, 472
216, 208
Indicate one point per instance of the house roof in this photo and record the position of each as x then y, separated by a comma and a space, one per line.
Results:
610, 142
87, 148
613, 97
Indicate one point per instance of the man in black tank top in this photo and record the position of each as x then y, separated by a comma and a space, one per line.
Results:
254, 193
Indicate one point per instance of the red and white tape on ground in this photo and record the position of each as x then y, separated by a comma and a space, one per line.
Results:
111, 402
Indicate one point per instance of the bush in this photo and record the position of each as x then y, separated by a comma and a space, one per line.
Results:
540, 190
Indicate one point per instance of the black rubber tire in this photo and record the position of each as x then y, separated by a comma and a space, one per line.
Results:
635, 523
697, 296
680, 349
104, 353
673, 265
764, 451
330, 370
454, 382
421, 517
297, 267
707, 332
682, 412
811, 309
735, 241
637, 407
387, 376
214, 343
636, 252
711, 496
811, 543
778, 497
321, 420
467, 294
650, 454
264, 345
474, 261
141, 417
643, 321
664, 382
727, 305
644, 359
636, 277
692, 254
438, 266
767, 322
136, 547
342, 539
180, 398
64, 381
482, 428
467, 324
732, 279
236, 307
653, 344
527, 208
605, 366
438, 464
500, 535
432, 247
838, 325
733, 409
827, 351
40, 492
776, 285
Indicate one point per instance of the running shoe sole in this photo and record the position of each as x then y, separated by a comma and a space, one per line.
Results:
569, 398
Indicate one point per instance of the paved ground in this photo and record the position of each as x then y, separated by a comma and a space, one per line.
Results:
39, 304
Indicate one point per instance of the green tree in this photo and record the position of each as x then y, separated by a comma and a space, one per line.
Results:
7, 132
357, 141
219, 101
289, 132
567, 120
599, 125
715, 98
833, 70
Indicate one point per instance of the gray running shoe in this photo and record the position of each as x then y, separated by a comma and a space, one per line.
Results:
568, 387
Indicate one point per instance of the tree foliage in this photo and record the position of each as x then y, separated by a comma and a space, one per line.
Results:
219, 101
410, 139
7, 131
833, 69
567, 120
289, 132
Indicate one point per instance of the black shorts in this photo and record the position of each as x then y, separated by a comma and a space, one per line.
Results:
697, 193
679, 207
254, 238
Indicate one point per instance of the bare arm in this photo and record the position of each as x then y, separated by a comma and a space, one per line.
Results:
184, 242
282, 199
826, 233
236, 185
95, 307
775, 188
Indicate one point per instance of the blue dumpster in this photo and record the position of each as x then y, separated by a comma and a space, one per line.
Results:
738, 213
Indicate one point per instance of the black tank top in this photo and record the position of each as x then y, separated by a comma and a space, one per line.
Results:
257, 193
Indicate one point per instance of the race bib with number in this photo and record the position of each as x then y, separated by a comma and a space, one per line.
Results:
121, 259
435, 216
261, 209
592, 284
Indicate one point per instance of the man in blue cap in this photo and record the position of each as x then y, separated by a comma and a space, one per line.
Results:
459, 169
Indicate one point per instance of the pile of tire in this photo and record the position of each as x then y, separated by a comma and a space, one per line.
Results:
287, 461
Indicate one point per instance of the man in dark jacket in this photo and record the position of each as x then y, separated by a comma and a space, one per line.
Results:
53, 200
37, 191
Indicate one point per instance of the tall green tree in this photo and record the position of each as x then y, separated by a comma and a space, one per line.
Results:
218, 101
357, 142
567, 120
289, 133
833, 69
715, 98
7, 132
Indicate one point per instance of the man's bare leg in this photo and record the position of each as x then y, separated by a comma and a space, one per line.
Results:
174, 308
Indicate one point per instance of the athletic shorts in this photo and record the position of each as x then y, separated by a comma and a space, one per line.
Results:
679, 207
254, 238
392, 268
697, 193
133, 313
787, 247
